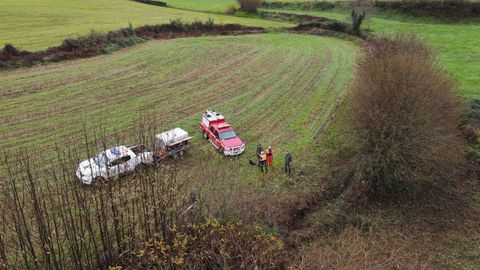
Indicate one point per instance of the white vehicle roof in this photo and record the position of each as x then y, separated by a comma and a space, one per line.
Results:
171, 137
117, 151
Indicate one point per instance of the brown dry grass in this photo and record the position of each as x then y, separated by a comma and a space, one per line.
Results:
353, 249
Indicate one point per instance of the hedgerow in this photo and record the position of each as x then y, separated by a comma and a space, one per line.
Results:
97, 43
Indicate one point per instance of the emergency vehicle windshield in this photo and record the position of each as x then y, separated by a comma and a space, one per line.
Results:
226, 135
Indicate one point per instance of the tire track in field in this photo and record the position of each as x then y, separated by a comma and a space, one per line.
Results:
72, 107
117, 96
237, 80
202, 71
278, 121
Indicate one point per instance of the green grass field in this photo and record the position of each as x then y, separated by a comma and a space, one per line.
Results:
40, 24
455, 44
274, 88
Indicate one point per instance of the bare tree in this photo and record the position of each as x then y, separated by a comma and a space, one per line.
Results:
360, 9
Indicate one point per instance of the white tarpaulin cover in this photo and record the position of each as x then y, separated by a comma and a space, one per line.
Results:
171, 137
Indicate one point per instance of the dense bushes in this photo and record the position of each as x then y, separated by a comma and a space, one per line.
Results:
307, 22
317, 5
99, 43
404, 117
208, 245
249, 5
444, 9
434, 8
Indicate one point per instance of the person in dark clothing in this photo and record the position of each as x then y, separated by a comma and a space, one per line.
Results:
259, 151
288, 162
259, 155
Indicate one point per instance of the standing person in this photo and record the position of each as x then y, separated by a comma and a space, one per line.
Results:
269, 156
288, 162
263, 162
259, 151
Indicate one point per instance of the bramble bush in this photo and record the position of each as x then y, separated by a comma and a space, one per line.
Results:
208, 245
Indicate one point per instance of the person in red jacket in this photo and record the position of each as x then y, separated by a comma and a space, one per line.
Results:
269, 156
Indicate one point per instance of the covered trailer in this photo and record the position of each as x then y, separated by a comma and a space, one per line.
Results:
172, 143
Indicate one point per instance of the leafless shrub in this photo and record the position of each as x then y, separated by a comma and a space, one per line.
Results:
360, 10
249, 5
404, 117
49, 221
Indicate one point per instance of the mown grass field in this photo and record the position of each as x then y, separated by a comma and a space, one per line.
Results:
35, 25
456, 44
276, 89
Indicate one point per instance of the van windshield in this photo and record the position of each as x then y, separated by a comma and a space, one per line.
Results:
227, 135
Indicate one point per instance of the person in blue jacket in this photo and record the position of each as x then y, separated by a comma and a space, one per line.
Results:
288, 162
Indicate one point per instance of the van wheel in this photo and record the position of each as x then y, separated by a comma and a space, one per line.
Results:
98, 180
140, 167
205, 135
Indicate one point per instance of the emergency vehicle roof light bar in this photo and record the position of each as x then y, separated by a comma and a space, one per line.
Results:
213, 116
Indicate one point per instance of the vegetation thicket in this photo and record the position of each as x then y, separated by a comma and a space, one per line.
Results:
249, 5
212, 244
97, 43
404, 116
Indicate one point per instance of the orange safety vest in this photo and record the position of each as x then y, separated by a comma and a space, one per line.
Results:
263, 157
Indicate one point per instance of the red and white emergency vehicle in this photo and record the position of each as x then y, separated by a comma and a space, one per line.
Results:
221, 134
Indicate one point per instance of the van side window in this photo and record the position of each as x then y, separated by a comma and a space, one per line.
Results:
212, 129
119, 161
216, 134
